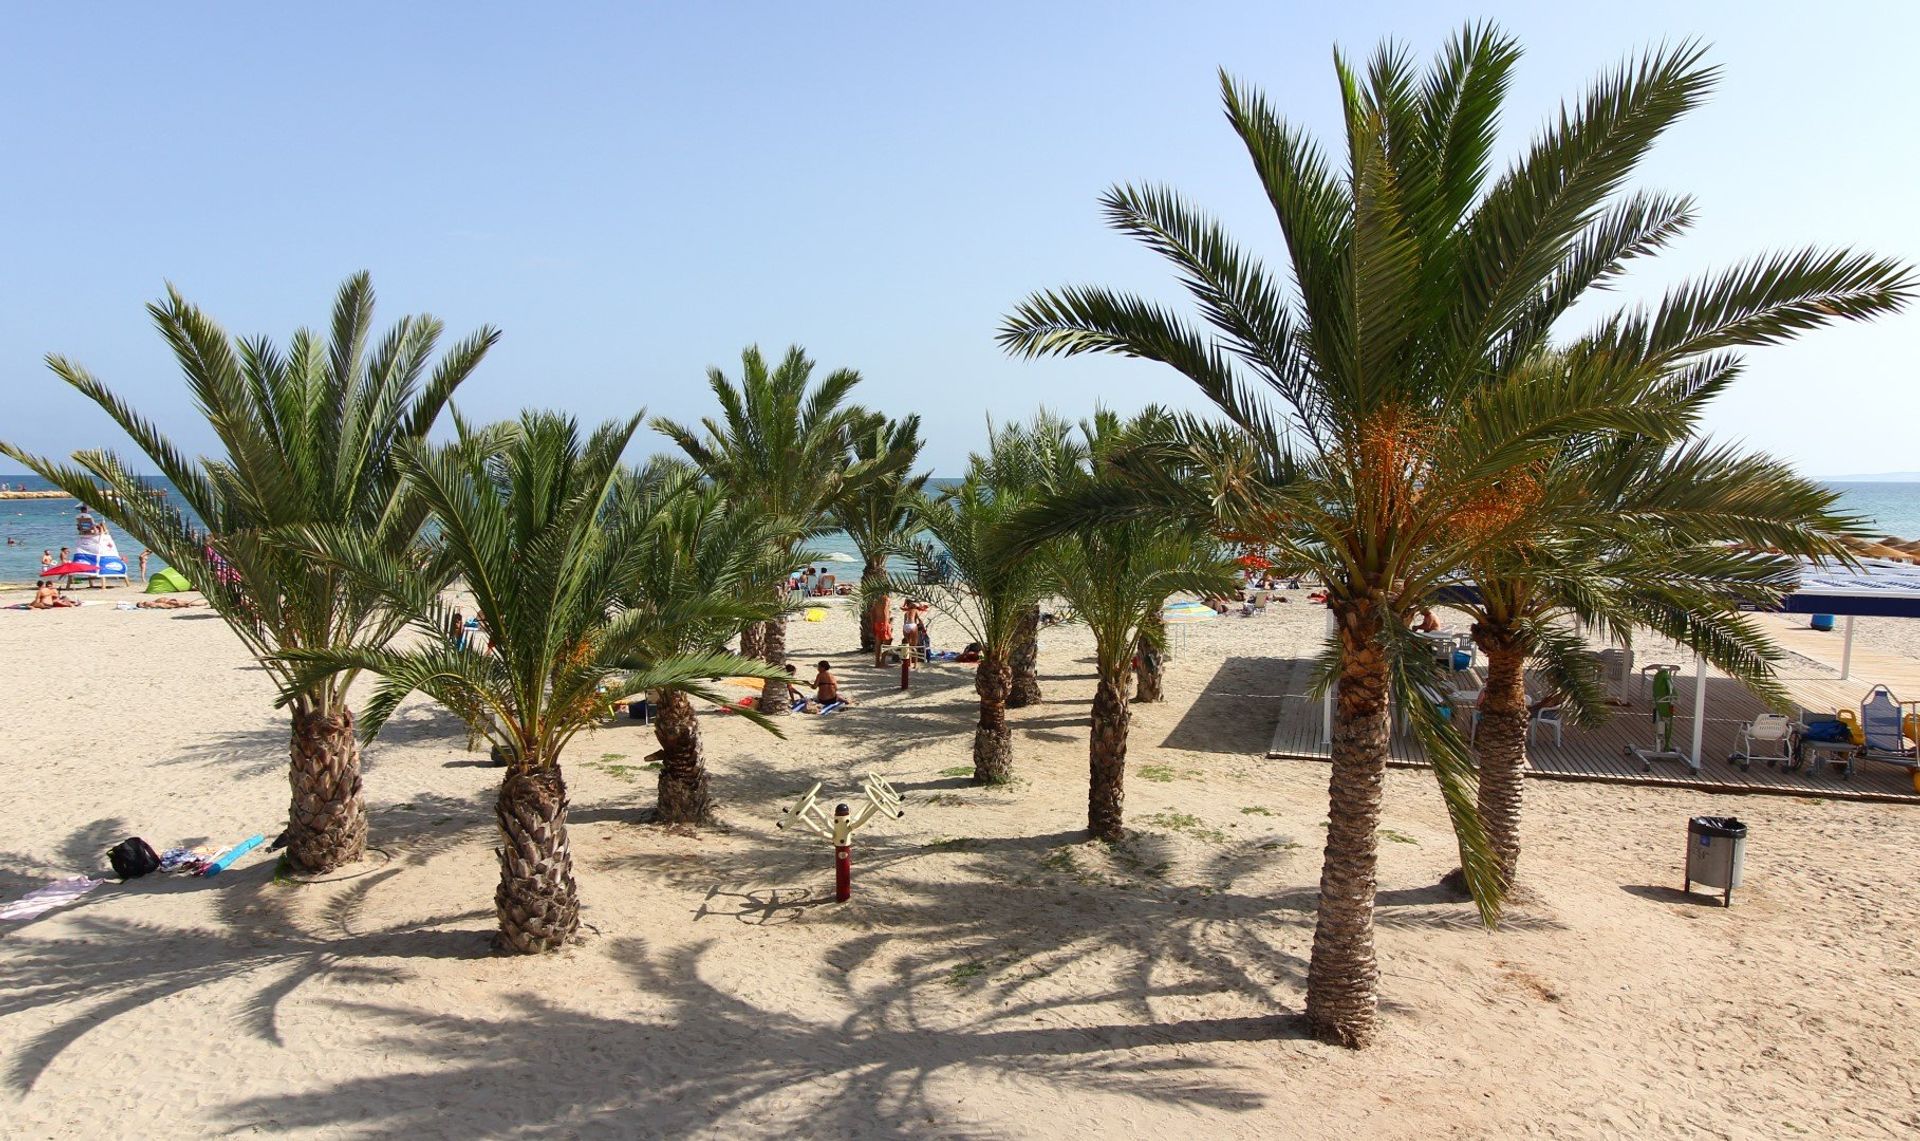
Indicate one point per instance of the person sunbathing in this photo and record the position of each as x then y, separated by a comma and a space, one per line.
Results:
165, 604
47, 597
826, 687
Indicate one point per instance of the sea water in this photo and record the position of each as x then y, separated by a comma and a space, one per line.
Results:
38, 525
47, 524
1894, 508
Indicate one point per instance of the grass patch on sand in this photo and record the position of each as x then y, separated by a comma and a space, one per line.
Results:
958, 771
1187, 823
1255, 810
609, 764
1162, 774
1397, 837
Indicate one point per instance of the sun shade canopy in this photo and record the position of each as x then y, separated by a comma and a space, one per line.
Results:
1877, 588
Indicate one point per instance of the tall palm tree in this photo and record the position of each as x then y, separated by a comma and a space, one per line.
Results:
308, 436
1116, 576
693, 580
780, 448
985, 588
525, 524
1391, 430
1678, 539
879, 515
1035, 458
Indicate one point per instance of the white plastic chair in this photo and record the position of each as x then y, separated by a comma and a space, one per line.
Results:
1547, 716
1771, 729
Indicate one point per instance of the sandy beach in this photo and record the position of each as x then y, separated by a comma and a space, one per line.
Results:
994, 976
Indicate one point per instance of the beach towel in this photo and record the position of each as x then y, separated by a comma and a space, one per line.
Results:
42, 900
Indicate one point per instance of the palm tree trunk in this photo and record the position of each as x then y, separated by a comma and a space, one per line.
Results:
537, 902
752, 640
1025, 660
327, 821
1107, 754
993, 739
773, 696
1343, 975
872, 576
1150, 674
683, 796
1501, 745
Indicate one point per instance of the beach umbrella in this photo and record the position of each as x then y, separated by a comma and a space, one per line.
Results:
1181, 613
69, 568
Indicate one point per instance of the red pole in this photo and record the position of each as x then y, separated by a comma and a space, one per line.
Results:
842, 872
906, 664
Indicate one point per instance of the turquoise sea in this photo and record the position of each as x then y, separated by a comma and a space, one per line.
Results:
47, 524
36, 525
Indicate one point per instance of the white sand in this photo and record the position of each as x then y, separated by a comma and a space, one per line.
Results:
994, 976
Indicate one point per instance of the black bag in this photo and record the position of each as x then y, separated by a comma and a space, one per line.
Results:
132, 858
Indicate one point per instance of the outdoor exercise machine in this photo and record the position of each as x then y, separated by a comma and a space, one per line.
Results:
1661, 692
838, 829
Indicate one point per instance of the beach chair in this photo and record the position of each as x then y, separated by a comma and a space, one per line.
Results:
1769, 735
1884, 719
1546, 717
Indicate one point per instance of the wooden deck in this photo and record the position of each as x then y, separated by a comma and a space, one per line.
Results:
1600, 754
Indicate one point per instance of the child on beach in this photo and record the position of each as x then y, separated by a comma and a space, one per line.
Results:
882, 632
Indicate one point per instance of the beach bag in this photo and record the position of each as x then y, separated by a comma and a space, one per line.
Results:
1829, 729
132, 858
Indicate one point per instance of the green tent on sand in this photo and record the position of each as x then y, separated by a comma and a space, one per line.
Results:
166, 580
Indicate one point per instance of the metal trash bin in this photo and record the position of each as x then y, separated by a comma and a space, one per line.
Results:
1716, 851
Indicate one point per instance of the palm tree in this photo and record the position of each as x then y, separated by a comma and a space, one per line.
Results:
1149, 655
879, 515
693, 581
985, 589
1394, 431
1116, 576
307, 437
1033, 459
1023, 660
780, 448
1677, 539
525, 524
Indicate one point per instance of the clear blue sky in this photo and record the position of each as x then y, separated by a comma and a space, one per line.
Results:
633, 194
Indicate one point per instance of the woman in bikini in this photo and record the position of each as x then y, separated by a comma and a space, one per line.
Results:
826, 687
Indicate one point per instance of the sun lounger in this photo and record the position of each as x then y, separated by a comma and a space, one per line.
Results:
1883, 720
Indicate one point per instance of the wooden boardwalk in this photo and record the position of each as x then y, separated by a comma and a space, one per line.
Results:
1600, 754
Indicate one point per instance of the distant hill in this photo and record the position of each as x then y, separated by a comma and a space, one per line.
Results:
1877, 477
